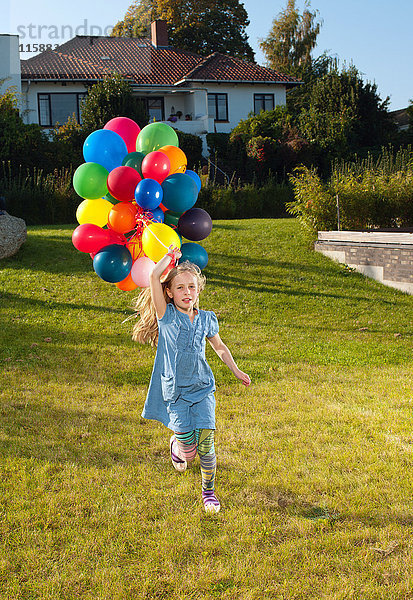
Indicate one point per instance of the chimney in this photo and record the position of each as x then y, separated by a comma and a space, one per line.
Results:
159, 34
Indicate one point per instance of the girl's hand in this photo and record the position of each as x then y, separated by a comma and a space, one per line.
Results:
174, 252
243, 377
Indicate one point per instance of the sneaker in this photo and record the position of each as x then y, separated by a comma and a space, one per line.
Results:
179, 464
211, 502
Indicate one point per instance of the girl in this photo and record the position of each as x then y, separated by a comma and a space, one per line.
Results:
181, 390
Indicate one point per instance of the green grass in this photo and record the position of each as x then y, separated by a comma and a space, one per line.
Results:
314, 459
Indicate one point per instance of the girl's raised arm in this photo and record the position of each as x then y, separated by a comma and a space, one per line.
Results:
158, 298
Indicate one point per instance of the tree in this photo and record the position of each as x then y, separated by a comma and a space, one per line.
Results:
109, 98
137, 20
200, 26
345, 114
291, 40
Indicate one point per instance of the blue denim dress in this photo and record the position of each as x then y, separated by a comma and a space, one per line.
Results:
181, 390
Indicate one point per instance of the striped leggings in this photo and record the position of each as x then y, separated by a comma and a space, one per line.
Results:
201, 441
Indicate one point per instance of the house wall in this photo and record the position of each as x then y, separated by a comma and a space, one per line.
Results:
31, 89
241, 101
384, 256
10, 62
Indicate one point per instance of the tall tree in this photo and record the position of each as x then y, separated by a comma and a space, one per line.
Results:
345, 114
137, 20
291, 39
200, 26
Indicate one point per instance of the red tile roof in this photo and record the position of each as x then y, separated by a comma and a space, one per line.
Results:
90, 58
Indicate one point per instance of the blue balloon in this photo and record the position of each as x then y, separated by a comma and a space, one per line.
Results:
106, 148
179, 192
113, 263
195, 177
148, 194
195, 254
156, 215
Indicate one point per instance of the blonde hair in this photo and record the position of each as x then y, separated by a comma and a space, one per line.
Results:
145, 331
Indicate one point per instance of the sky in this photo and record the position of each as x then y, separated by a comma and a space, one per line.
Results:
374, 35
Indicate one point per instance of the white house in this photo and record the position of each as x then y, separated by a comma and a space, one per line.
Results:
196, 94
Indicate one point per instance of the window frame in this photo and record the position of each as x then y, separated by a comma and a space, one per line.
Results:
263, 95
79, 97
216, 94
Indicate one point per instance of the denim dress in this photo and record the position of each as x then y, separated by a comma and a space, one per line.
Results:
181, 390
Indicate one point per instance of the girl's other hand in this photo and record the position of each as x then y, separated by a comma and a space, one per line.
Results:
243, 377
174, 252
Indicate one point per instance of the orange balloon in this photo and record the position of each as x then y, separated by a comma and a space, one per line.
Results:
127, 284
122, 217
177, 158
134, 246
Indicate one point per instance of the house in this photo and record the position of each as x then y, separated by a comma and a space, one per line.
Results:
196, 94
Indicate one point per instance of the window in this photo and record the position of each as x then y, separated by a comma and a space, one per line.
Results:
218, 106
155, 107
57, 108
263, 102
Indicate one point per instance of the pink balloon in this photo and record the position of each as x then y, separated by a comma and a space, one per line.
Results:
127, 129
156, 165
140, 271
90, 238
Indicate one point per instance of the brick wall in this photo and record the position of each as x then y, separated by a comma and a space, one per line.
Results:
386, 257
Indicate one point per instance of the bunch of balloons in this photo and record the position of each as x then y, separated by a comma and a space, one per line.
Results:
138, 199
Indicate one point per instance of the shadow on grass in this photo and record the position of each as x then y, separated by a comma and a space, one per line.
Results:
51, 303
52, 254
278, 287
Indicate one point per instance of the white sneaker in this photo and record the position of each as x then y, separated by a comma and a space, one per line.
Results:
179, 464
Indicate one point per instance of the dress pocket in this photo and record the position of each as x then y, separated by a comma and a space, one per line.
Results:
168, 388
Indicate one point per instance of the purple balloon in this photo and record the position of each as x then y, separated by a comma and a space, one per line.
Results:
195, 224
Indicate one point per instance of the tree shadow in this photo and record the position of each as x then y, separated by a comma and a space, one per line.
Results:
26, 302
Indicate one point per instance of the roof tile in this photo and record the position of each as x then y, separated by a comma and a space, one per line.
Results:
90, 58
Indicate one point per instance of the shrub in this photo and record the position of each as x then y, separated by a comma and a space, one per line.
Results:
245, 201
39, 198
192, 146
369, 194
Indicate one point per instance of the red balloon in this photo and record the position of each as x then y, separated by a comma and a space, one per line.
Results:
156, 165
122, 182
90, 238
116, 238
127, 129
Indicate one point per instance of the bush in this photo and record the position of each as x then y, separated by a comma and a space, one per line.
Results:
191, 145
109, 98
39, 198
369, 194
247, 201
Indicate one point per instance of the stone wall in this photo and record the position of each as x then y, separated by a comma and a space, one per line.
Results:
384, 256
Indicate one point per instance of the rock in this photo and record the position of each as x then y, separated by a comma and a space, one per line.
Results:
13, 234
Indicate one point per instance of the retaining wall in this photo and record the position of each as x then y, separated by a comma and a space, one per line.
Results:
384, 256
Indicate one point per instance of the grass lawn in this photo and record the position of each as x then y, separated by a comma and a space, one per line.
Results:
314, 459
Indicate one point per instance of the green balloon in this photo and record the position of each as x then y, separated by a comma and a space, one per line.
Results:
89, 181
171, 218
134, 160
154, 136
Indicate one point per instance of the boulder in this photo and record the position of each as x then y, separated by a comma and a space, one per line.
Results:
13, 233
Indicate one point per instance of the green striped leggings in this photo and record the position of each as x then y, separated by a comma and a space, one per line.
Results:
201, 441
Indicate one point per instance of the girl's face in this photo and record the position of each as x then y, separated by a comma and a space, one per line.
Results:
184, 291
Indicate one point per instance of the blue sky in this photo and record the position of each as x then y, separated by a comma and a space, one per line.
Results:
375, 35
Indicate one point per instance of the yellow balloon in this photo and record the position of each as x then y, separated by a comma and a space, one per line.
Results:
177, 158
157, 238
94, 211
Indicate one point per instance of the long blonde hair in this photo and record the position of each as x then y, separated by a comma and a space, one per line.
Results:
145, 331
